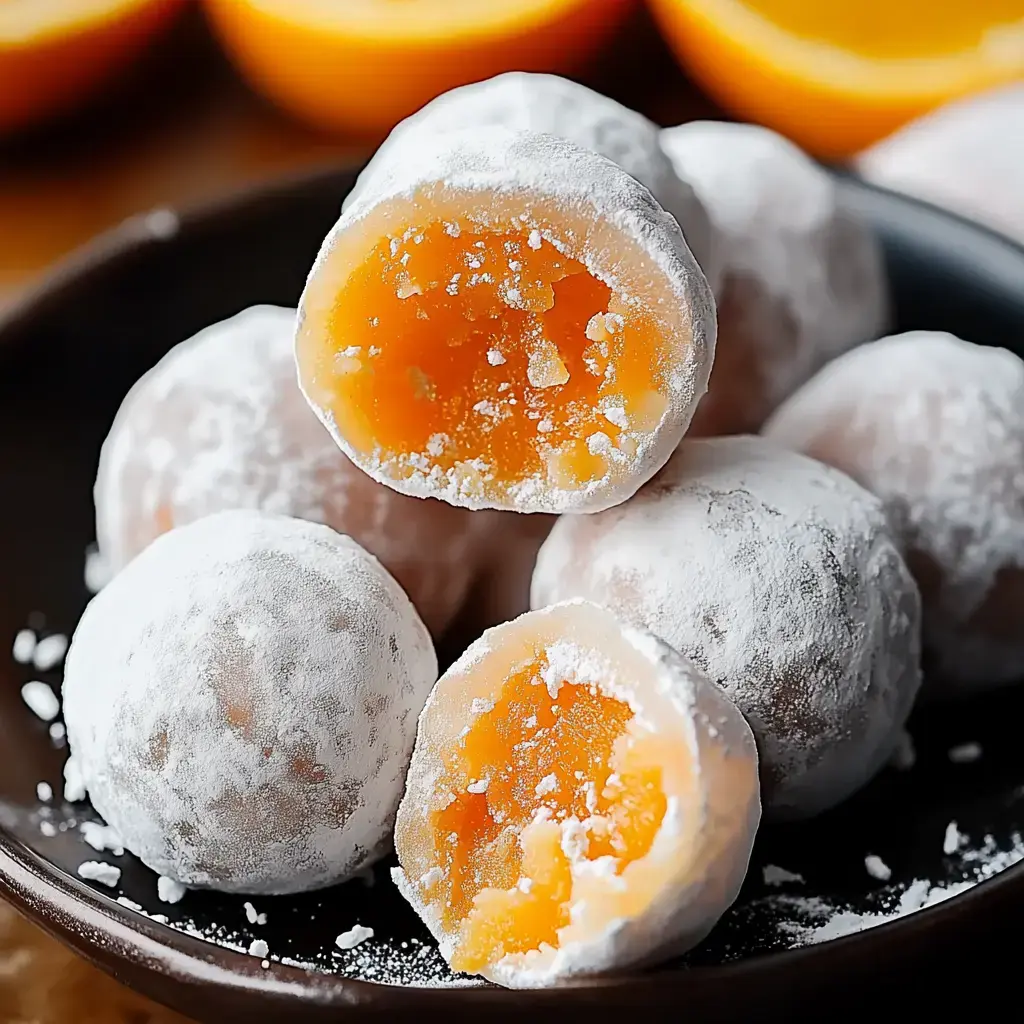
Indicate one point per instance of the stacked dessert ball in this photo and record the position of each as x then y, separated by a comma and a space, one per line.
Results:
480, 405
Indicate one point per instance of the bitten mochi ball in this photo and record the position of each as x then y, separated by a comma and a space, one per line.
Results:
778, 577
523, 101
505, 320
803, 278
220, 423
935, 427
241, 703
967, 156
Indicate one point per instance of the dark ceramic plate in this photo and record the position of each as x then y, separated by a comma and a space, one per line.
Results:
67, 356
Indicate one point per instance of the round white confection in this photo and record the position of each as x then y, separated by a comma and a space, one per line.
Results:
779, 578
241, 703
702, 849
803, 278
537, 167
934, 426
523, 101
967, 156
220, 423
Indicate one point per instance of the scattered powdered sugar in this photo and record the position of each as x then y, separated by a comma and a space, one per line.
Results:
934, 426
48, 829
965, 753
803, 277
252, 916
97, 570
233, 636
57, 732
24, 646
729, 546
353, 937
877, 868
44, 792
102, 837
170, 891
259, 947
40, 699
74, 784
98, 871
774, 875
49, 652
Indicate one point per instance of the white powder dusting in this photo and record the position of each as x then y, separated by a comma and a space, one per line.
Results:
546, 785
479, 786
494, 357
170, 891
877, 868
41, 700
97, 570
98, 871
44, 792
102, 837
733, 542
259, 948
252, 915
774, 875
48, 829
57, 732
24, 646
353, 937
965, 753
130, 904
49, 652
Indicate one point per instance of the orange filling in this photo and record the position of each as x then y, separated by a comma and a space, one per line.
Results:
487, 353
553, 797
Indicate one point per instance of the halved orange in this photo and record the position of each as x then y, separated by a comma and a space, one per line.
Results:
56, 53
363, 65
836, 77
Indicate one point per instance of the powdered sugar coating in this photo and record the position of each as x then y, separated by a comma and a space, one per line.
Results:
219, 423
703, 845
803, 278
241, 703
530, 170
935, 427
967, 156
524, 101
779, 578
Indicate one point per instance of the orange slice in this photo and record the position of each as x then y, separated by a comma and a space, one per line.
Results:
581, 799
55, 53
363, 65
505, 320
836, 77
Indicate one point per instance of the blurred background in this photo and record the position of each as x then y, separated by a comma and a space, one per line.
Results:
115, 108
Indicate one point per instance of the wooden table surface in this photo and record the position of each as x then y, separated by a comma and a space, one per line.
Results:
180, 130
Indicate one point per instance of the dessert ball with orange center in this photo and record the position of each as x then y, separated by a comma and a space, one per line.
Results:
934, 426
220, 423
779, 577
802, 275
241, 703
504, 320
523, 101
581, 799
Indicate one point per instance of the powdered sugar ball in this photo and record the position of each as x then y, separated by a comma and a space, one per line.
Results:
524, 101
241, 703
220, 423
803, 278
967, 156
935, 427
779, 578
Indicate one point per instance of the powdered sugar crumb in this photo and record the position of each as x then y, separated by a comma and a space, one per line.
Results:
49, 652
252, 916
774, 875
952, 839
98, 871
259, 947
102, 837
44, 792
353, 937
24, 646
40, 699
965, 753
170, 891
877, 868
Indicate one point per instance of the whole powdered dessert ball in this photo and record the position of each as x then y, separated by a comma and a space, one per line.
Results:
778, 577
241, 703
524, 101
220, 423
802, 280
967, 156
935, 427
